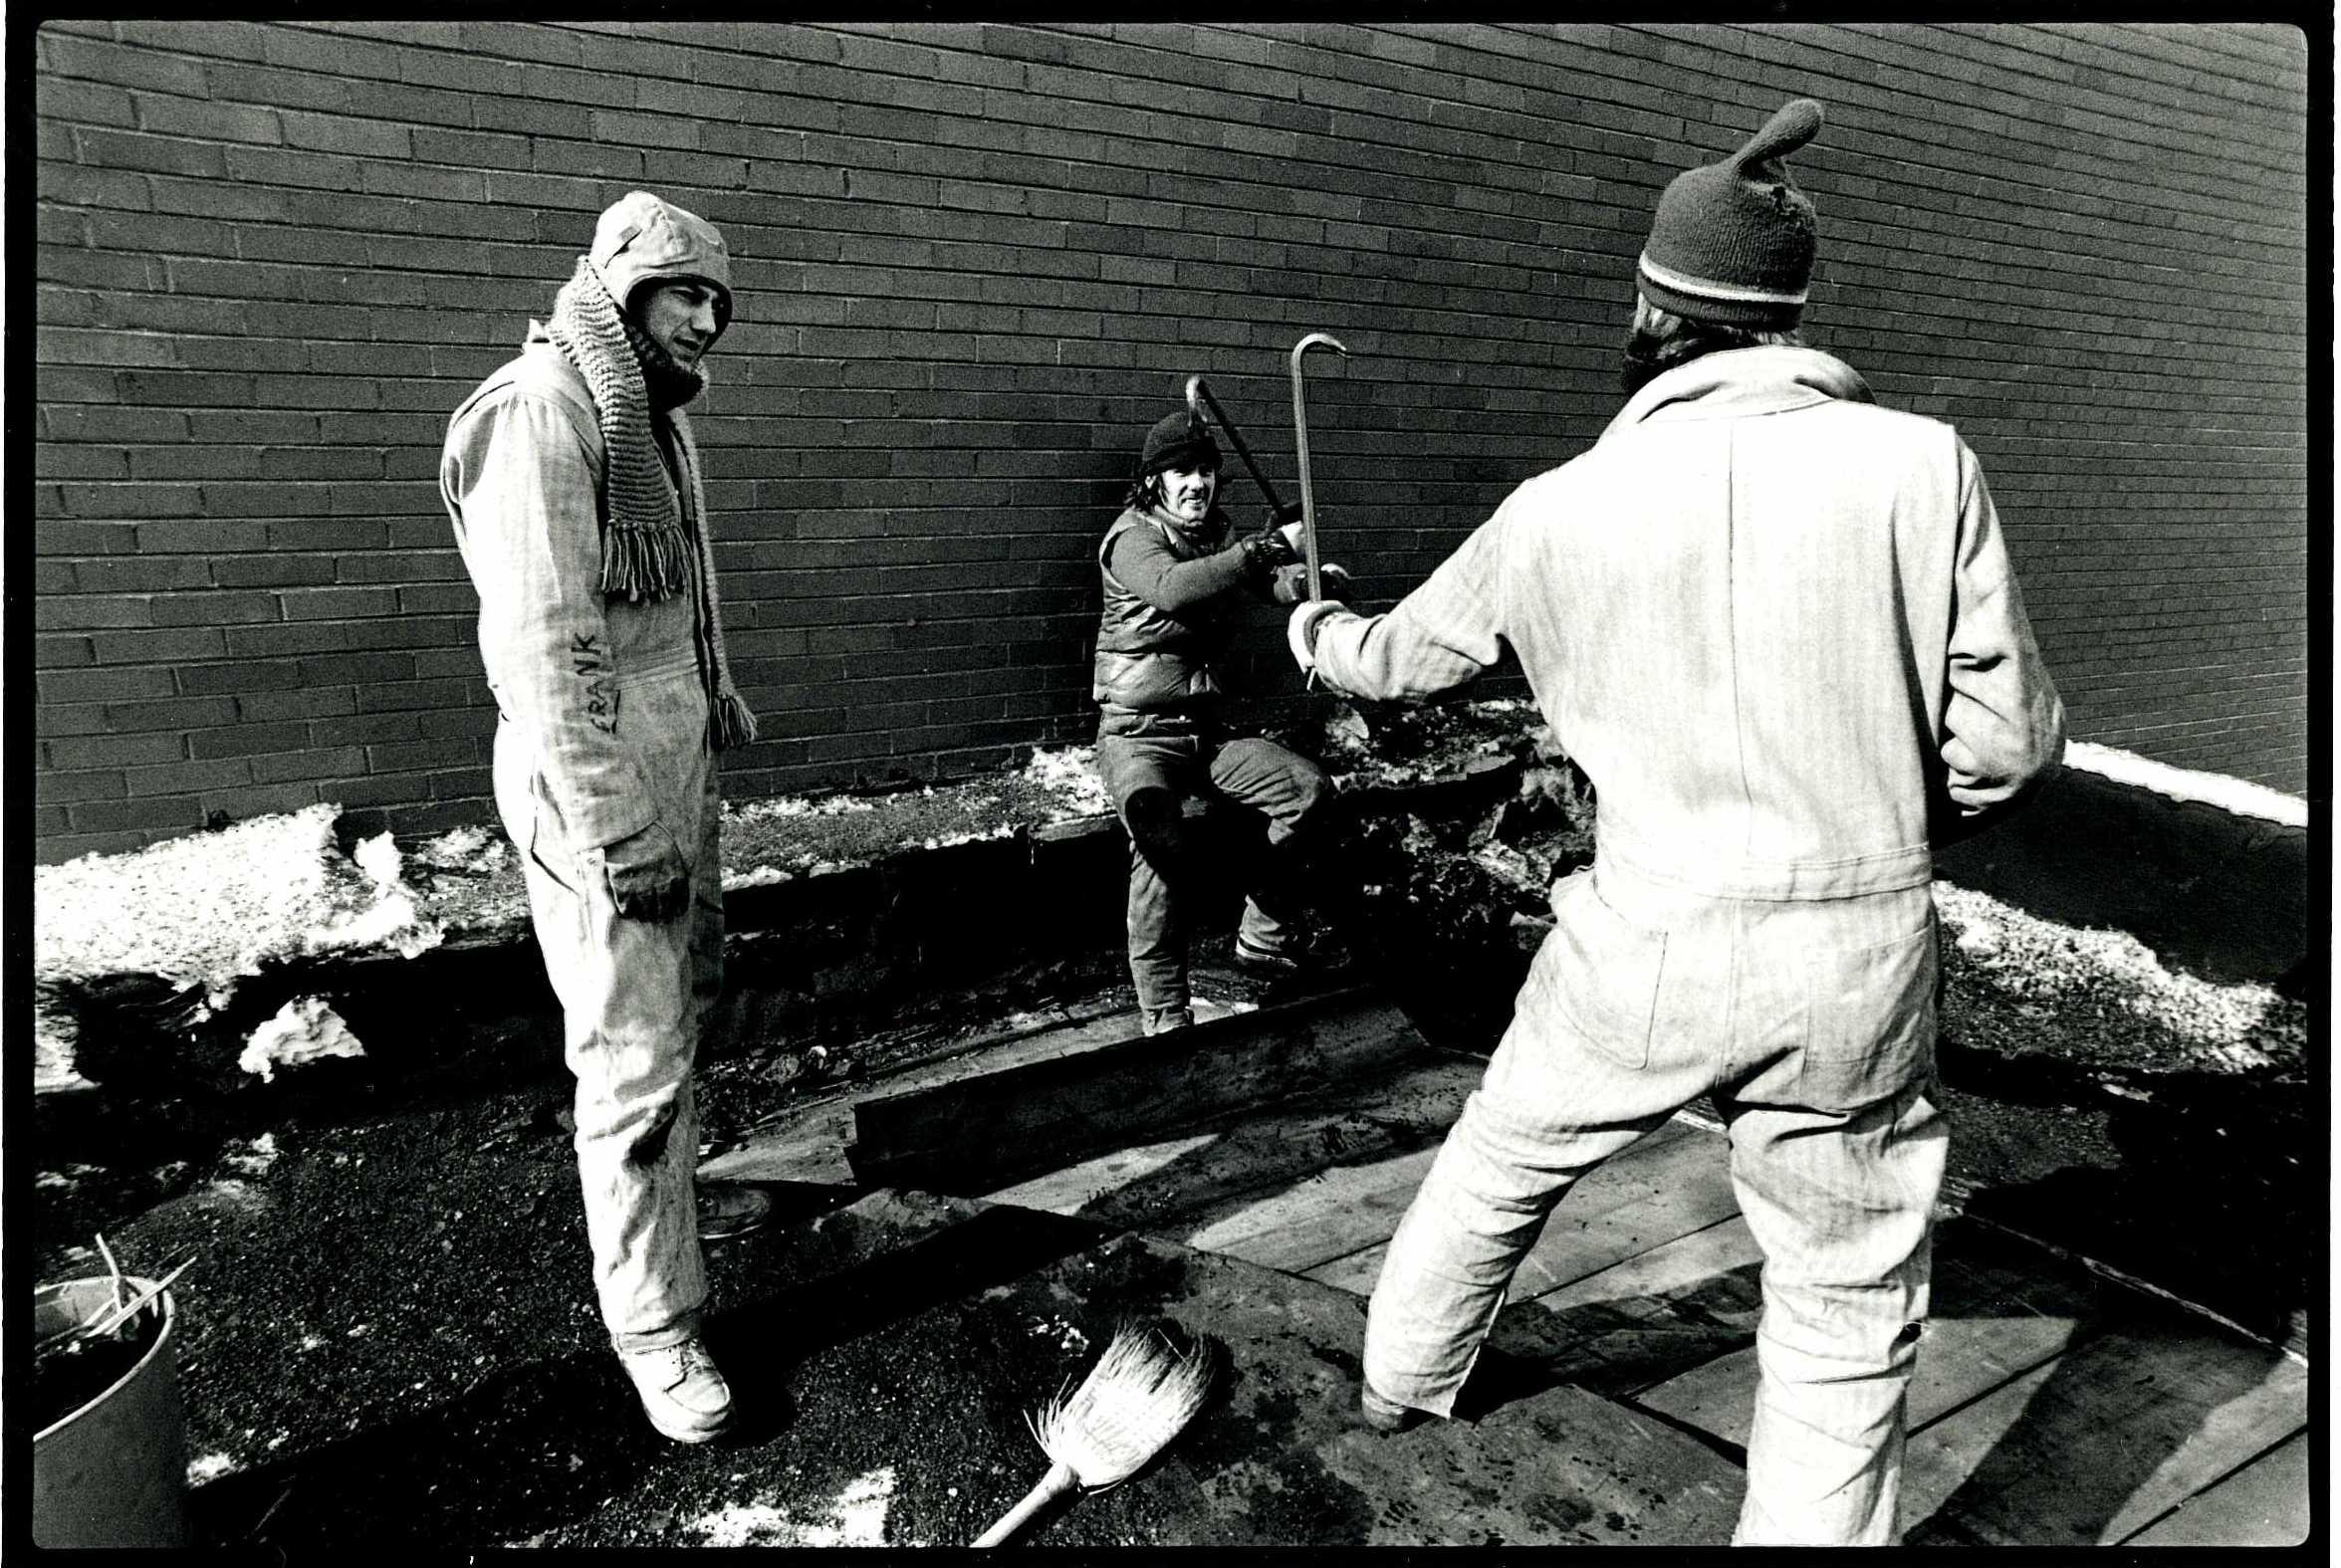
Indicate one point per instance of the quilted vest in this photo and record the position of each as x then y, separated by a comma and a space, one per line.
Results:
1149, 660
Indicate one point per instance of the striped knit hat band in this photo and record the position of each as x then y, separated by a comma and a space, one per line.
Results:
1732, 242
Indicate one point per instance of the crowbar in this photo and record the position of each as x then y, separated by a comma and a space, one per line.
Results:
1199, 394
1317, 585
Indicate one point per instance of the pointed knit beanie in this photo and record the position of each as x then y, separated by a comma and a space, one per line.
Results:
1732, 242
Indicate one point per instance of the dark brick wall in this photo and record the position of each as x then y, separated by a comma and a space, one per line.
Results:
973, 261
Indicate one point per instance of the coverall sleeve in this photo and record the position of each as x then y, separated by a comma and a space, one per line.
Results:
1144, 565
527, 491
1435, 640
2003, 731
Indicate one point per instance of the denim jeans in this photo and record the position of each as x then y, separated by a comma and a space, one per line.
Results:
1812, 1024
1285, 786
633, 996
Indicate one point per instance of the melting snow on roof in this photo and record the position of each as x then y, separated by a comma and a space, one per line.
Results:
2238, 796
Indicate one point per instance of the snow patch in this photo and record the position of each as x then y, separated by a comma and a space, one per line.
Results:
857, 1517
302, 1030
2023, 956
393, 922
801, 806
1003, 831
204, 910
210, 1468
471, 849
2236, 796
1071, 774
378, 858
745, 1524
1062, 1332
209, 909
256, 1158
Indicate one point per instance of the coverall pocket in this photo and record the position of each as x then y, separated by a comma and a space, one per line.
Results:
547, 845
1872, 1020
1605, 986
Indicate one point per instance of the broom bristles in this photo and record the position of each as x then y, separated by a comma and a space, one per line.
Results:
1141, 1394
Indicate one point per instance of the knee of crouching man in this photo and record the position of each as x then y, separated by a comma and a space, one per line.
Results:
1315, 793
1156, 821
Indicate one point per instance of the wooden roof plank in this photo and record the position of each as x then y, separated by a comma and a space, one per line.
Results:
1670, 1182
2265, 1504
2099, 1443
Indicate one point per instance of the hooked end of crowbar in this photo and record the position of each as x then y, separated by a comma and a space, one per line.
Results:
1316, 340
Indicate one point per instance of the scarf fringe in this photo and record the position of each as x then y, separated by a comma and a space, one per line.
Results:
733, 724
728, 721
641, 563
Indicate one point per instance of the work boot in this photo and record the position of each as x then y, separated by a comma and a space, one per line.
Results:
682, 1393
1309, 954
1388, 1415
1162, 1021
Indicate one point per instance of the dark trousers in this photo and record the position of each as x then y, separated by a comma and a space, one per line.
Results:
1147, 774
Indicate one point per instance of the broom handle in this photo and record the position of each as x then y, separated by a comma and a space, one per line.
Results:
1059, 1481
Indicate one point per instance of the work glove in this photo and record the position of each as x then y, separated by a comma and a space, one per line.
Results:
1291, 586
1268, 549
646, 876
1309, 617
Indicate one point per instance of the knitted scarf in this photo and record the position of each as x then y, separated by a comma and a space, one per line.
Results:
731, 722
655, 540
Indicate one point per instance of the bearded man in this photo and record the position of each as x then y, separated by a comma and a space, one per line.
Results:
1777, 625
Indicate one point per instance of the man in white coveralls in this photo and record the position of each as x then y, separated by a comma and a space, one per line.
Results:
575, 489
1775, 625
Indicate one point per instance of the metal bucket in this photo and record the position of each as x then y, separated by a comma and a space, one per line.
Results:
114, 1471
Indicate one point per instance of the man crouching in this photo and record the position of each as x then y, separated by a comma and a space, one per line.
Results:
1176, 575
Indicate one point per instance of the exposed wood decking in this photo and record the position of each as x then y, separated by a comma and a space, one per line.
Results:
2051, 1406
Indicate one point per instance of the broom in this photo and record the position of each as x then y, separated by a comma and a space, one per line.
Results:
1137, 1398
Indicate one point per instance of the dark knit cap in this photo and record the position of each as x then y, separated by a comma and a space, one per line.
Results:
1732, 242
1179, 440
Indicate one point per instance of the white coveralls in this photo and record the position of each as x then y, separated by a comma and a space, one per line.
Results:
1777, 626
604, 730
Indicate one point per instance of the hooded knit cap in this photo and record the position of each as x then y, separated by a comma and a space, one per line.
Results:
1732, 242
642, 239
1180, 440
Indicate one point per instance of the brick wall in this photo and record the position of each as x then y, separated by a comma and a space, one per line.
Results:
973, 261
